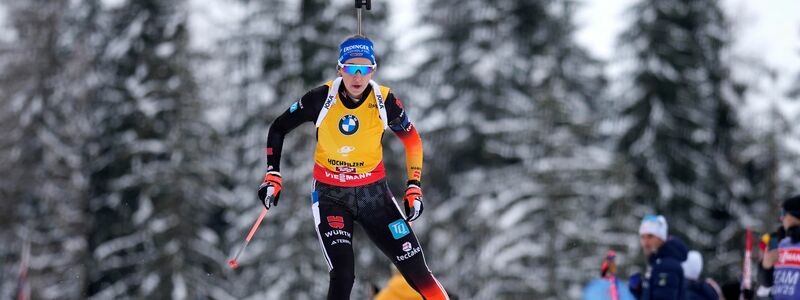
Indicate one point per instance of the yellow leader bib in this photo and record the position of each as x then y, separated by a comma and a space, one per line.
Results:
349, 140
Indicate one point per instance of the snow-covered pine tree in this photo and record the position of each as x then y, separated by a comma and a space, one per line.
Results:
155, 230
768, 139
43, 96
513, 151
682, 133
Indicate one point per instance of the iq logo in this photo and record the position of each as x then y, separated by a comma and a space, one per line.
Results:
348, 124
399, 229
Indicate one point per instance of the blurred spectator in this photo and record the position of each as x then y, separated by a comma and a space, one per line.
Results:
768, 255
397, 288
733, 291
696, 288
664, 278
787, 266
608, 287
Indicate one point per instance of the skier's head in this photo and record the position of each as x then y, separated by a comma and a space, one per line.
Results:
790, 214
652, 233
693, 265
356, 64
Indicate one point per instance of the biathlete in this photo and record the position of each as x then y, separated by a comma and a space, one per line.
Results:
351, 114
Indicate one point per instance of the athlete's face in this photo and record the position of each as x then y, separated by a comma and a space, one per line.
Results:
356, 84
650, 243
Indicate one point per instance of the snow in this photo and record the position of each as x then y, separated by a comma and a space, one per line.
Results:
113, 4
179, 287
7, 34
121, 243
599, 23
149, 283
213, 20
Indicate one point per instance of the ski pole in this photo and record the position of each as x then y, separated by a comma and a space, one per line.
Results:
359, 5
234, 262
747, 263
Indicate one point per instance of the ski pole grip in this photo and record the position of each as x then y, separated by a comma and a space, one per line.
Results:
364, 3
270, 195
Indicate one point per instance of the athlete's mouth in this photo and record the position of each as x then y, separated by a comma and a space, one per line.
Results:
357, 86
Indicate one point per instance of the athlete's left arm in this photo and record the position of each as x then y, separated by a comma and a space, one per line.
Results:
402, 127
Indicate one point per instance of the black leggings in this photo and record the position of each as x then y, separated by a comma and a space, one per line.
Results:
373, 206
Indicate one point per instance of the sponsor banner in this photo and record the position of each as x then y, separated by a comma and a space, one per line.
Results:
340, 241
341, 163
409, 254
349, 177
788, 258
346, 170
338, 232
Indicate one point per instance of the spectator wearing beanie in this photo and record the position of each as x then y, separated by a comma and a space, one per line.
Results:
664, 279
697, 289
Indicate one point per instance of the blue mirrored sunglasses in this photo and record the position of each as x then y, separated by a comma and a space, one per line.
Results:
650, 218
353, 69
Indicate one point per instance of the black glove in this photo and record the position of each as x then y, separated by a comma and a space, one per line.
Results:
413, 202
272, 180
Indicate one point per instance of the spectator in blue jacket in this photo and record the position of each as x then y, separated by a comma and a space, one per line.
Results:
696, 287
664, 278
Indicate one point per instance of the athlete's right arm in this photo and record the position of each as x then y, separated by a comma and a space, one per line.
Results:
304, 110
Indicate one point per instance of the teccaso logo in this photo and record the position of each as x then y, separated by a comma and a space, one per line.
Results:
345, 150
409, 254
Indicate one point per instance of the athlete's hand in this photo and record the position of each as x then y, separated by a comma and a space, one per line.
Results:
413, 202
271, 180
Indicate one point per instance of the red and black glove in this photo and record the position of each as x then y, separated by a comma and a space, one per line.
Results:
413, 202
269, 191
